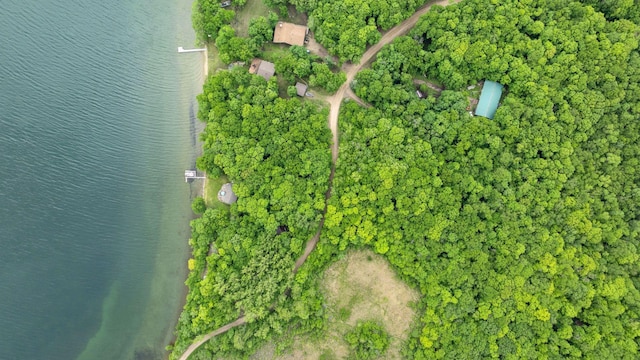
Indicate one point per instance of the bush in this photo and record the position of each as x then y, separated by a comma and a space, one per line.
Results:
198, 205
368, 340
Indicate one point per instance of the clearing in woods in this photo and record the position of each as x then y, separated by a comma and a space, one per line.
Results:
362, 286
213, 185
252, 9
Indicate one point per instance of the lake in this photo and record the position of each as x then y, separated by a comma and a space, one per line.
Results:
96, 130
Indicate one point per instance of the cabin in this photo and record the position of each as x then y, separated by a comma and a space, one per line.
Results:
301, 89
263, 68
226, 194
489, 99
288, 33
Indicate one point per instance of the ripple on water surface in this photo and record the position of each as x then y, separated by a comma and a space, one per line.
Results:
94, 134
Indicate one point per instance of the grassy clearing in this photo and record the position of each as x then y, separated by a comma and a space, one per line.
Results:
214, 59
252, 9
272, 51
362, 286
296, 17
429, 80
211, 191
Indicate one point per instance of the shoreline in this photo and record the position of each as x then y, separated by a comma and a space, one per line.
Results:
193, 193
205, 71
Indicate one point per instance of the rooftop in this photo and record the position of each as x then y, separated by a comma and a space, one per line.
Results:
263, 68
489, 98
226, 194
301, 89
289, 33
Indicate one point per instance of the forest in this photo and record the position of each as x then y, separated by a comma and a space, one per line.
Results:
276, 153
521, 233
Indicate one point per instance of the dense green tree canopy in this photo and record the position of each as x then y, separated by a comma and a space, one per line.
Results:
368, 340
298, 64
521, 232
617, 9
276, 153
208, 17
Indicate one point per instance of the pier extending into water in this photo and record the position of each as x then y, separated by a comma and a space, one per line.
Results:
183, 50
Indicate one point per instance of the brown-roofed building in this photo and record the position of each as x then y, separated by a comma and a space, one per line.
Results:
289, 33
301, 89
263, 68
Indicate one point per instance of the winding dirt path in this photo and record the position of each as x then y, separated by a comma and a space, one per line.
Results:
218, 331
352, 69
431, 85
335, 102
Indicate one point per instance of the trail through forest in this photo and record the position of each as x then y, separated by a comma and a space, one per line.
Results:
352, 69
335, 102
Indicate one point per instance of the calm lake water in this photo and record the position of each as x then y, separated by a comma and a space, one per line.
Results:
96, 130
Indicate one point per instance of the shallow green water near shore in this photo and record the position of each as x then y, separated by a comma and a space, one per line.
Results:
96, 129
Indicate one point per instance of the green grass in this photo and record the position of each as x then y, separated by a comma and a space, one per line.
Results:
252, 9
429, 80
214, 60
211, 189
272, 51
327, 355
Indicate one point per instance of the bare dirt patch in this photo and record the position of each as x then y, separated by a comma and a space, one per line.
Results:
362, 286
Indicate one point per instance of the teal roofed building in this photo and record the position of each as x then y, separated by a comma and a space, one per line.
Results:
489, 98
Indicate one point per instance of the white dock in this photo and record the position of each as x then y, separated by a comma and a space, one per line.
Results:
192, 174
183, 50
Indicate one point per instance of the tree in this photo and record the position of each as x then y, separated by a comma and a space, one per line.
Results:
292, 91
198, 205
207, 19
368, 340
233, 48
260, 30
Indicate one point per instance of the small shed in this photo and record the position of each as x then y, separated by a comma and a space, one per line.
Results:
301, 89
226, 194
263, 68
489, 99
289, 33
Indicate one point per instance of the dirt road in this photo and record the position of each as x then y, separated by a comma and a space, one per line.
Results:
352, 69
218, 331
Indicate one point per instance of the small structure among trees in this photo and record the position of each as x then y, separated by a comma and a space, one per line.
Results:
288, 33
489, 99
226, 194
301, 89
263, 68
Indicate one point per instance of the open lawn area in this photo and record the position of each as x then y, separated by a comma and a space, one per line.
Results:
362, 286
214, 59
252, 9
211, 191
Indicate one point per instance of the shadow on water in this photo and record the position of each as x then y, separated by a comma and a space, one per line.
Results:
148, 354
192, 124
